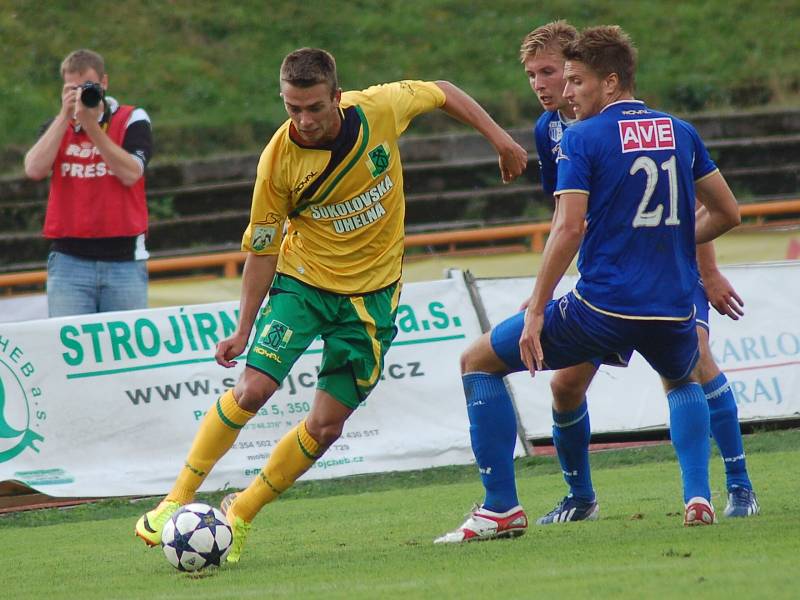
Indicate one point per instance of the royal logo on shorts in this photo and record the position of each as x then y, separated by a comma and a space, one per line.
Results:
646, 134
268, 354
563, 304
275, 336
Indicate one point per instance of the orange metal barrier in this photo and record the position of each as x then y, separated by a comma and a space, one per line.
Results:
770, 209
537, 232
230, 261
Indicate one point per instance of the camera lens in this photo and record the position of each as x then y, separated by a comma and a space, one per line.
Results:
91, 94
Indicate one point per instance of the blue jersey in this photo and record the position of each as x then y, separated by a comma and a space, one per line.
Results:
547, 132
639, 168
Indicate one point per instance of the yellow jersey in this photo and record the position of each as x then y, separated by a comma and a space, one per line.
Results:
344, 200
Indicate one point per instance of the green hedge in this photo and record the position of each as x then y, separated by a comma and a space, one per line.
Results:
207, 71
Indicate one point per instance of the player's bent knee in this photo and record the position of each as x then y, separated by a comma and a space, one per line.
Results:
673, 384
326, 420
569, 386
480, 357
253, 390
706, 368
324, 433
467, 359
565, 398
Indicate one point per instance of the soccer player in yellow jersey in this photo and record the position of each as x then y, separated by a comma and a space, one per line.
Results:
333, 170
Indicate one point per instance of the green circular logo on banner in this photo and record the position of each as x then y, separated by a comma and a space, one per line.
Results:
16, 434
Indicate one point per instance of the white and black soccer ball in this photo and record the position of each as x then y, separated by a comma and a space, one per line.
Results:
196, 537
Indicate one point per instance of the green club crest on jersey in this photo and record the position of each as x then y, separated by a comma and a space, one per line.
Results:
262, 237
275, 336
378, 159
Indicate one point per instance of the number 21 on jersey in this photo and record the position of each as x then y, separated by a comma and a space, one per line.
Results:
652, 218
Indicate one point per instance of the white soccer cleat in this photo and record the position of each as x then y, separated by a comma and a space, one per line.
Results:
482, 524
699, 512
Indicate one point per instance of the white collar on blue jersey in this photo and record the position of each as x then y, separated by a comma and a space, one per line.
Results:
565, 119
628, 101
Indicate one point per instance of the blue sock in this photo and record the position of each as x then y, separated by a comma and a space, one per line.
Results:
571, 434
726, 431
493, 431
690, 431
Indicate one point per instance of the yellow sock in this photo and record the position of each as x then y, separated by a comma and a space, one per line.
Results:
218, 430
292, 457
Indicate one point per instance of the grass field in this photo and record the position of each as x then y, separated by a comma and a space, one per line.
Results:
370, 537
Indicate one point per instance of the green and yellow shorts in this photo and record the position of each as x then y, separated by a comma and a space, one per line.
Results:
357, 331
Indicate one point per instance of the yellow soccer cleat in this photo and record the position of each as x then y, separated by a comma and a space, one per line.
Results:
151, 524
239, 526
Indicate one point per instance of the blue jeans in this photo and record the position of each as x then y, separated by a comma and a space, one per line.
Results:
77, 286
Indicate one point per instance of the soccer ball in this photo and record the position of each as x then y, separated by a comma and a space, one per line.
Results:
195, 537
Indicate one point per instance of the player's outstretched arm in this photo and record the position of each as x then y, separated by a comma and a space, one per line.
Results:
721, 210
460, 105
257, 277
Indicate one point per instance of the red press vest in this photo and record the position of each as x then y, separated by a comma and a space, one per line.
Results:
86, 200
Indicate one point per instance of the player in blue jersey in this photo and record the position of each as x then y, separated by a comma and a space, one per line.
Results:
542, 57
625, 195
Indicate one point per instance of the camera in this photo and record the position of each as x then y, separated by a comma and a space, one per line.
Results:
91, 93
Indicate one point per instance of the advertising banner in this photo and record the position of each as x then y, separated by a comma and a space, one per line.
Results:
760, 354
108, 404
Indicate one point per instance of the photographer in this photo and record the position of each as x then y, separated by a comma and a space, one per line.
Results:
96, 151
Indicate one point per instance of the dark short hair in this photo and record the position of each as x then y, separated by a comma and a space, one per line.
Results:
307, 67
556, 35
83, 60
605, 49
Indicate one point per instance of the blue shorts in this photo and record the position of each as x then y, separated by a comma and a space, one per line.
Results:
621, 359
701, 306
573, 333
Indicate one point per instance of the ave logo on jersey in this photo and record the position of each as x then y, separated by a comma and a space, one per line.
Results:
646, 134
